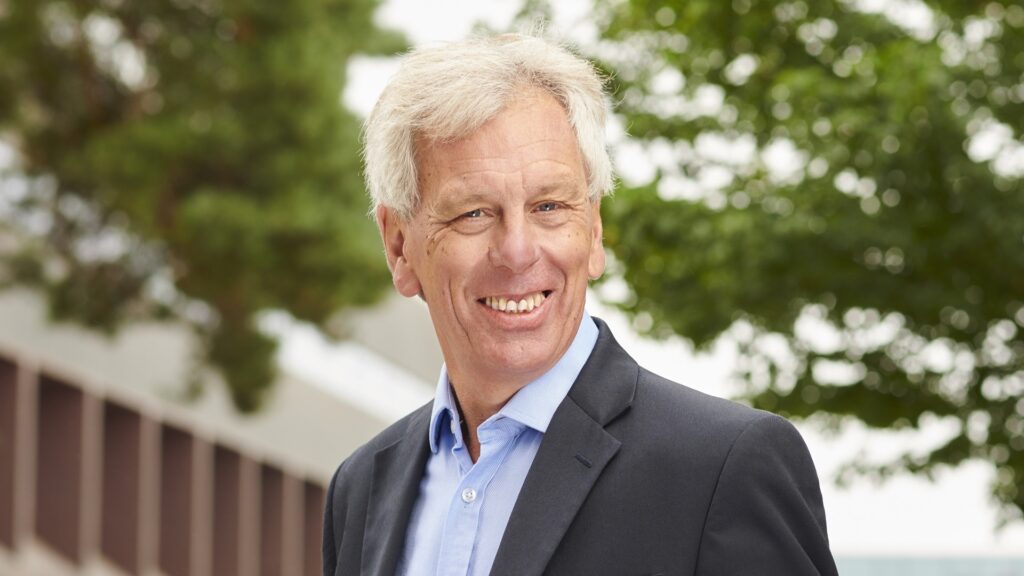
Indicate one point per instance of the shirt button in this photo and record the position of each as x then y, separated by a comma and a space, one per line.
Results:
454, 426
468, 495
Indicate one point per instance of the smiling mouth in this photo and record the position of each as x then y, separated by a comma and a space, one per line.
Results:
516, 305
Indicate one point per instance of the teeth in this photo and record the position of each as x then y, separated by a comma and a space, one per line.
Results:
526, 304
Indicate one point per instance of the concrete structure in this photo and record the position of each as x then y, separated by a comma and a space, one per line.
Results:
105, 468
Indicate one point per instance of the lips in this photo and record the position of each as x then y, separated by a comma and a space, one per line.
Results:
515, 304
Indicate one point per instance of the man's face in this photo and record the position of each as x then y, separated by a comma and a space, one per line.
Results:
503, 218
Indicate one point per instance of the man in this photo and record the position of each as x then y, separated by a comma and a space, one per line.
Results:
546, 450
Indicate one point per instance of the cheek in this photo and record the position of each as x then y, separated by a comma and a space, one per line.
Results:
453, 266
571, 254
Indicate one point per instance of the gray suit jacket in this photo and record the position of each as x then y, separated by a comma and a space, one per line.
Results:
636, 475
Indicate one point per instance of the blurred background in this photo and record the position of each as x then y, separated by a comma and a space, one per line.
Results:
820, 212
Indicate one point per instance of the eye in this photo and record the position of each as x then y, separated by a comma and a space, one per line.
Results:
472, 221
547, 207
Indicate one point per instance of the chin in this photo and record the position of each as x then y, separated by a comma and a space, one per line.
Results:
531, 362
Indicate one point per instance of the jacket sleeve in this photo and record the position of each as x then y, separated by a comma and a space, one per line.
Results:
766, 515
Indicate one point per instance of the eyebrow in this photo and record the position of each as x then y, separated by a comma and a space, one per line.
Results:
558, 185
447, 203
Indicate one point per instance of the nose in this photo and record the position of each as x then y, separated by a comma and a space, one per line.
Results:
514, 245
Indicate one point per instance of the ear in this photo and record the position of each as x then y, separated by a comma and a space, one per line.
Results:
393, 233
595, 266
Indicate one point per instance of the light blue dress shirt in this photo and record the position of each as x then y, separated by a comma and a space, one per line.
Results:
463, 507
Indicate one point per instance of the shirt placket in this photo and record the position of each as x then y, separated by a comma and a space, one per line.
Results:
463, 521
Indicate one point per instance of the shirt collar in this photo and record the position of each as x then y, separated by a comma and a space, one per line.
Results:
534, 404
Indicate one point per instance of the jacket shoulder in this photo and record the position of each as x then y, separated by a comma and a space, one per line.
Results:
680, 408
760, 483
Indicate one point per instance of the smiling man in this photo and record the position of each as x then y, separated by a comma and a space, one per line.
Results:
546, 449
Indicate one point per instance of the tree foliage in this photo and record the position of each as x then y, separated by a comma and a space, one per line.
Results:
844, 182
190, 159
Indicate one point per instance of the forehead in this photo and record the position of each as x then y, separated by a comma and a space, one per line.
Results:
530, 138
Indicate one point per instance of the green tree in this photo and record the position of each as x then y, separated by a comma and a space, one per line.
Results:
187, 159
845, 182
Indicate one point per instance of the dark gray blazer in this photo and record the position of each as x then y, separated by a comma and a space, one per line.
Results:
636, 475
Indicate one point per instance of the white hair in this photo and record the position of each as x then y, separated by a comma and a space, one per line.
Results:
445, 92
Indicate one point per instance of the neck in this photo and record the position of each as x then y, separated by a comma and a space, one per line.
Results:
476, 404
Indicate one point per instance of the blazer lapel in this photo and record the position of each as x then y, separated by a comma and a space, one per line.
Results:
397, 471
575, 450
